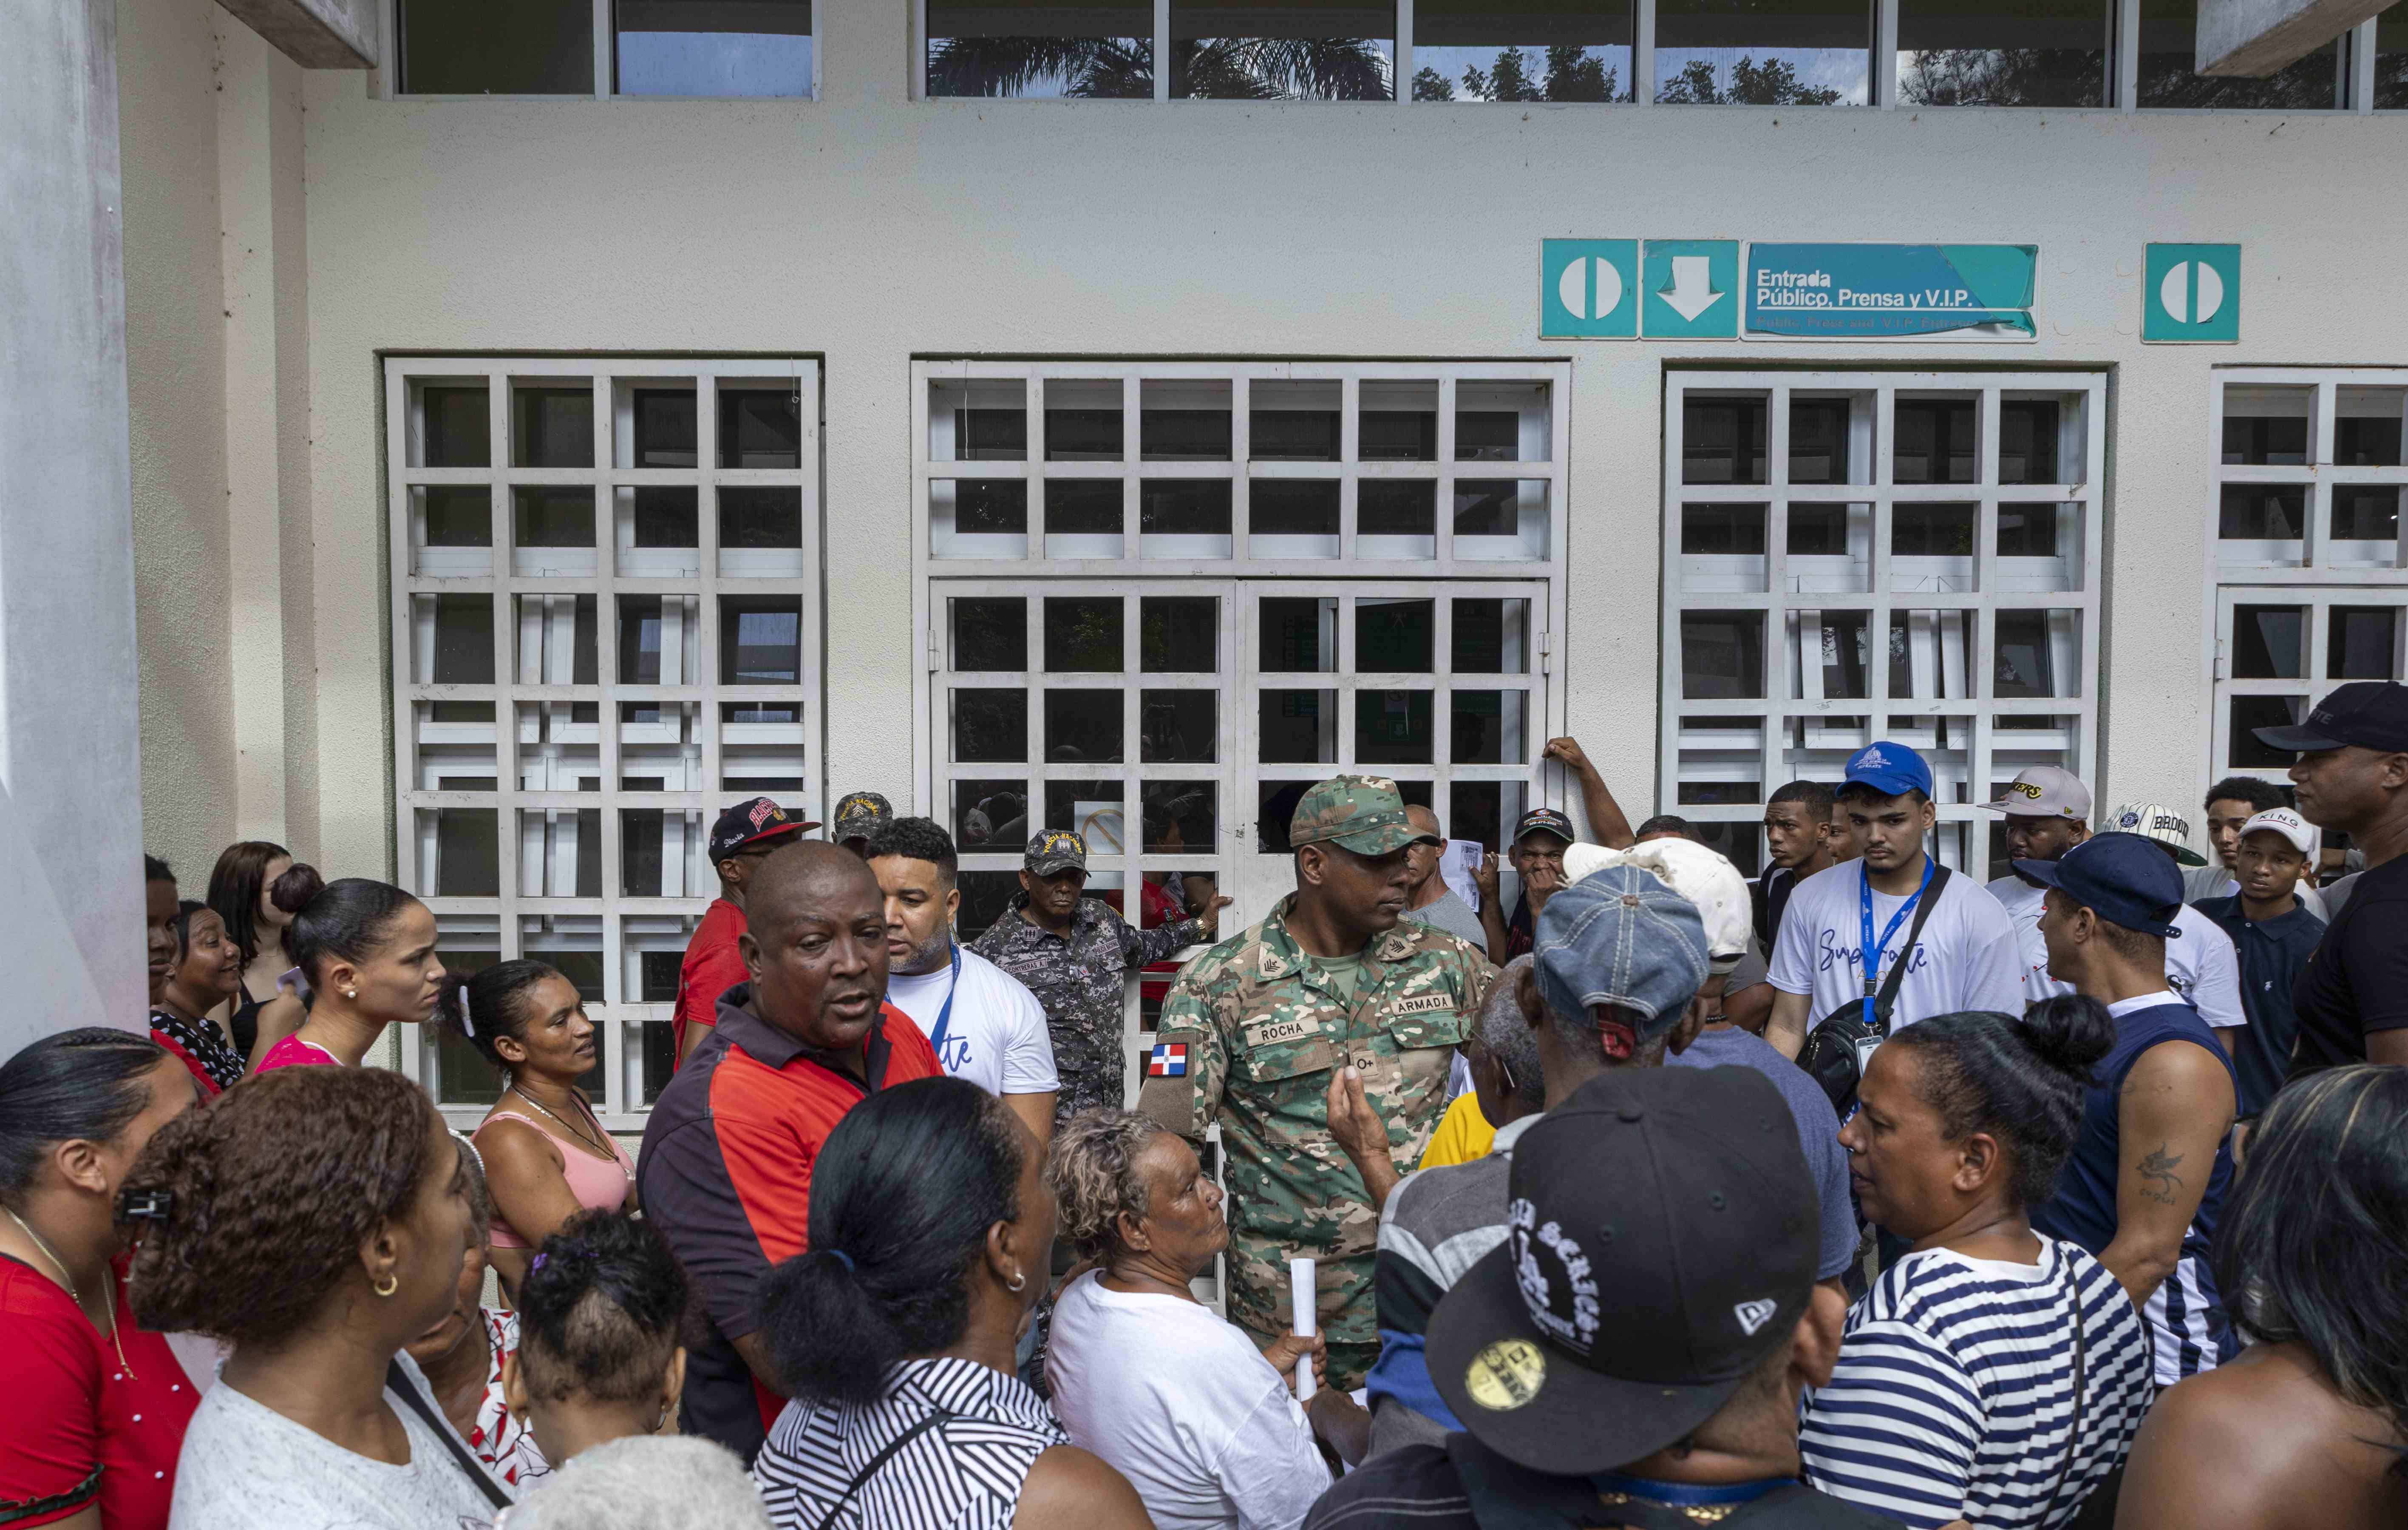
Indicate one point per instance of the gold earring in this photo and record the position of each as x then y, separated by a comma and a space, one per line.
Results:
390, 1284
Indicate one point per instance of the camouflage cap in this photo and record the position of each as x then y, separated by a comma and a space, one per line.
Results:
1362, 813
859, 813
1057, 850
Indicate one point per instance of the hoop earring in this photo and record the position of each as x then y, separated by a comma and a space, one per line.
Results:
391, 1283
1018, 1282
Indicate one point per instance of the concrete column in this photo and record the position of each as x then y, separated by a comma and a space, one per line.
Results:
70, 779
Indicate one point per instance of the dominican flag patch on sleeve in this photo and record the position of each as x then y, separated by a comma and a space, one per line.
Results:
1169, 1060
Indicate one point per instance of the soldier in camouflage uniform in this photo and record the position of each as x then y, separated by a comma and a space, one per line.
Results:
1252, 1030
1074, 953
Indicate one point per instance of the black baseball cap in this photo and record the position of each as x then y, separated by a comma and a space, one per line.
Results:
1661, 1240
2369, 714
2127, 879
753, 820
1544, 820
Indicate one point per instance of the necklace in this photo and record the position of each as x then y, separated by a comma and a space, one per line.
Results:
603, 1148
68, 1280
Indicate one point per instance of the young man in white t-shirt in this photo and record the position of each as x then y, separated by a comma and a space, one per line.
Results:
2048, 813
985, 1026
1966, 956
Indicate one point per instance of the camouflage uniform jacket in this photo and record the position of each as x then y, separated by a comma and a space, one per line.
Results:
1082, 982
1262, 1030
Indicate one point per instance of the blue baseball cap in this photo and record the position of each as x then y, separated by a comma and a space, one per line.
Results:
1621, 937
2123, 878
1891, 769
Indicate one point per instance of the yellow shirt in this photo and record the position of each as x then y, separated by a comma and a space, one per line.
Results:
1462, 1136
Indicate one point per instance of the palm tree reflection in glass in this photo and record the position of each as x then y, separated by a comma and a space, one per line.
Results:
1223, 68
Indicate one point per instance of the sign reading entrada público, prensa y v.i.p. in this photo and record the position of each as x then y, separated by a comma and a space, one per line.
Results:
1861, 292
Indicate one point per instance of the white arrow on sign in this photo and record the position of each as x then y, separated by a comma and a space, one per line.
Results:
1692, 291
1573, 288
2188, 305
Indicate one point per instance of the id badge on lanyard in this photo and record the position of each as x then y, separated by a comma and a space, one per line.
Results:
1871, 951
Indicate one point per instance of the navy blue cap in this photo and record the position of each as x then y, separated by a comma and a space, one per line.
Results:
1544, 820
2368, 714
2125, 879
1891, 769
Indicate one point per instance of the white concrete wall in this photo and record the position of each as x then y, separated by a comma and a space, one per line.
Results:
867, 228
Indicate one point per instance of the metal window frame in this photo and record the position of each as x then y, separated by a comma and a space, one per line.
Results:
621, 1106
2314, 582
1776, 708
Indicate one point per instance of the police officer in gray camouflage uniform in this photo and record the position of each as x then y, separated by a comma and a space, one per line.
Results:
1254, 1029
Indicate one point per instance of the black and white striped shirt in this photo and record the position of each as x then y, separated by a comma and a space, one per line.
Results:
963, 1474
1952, 1397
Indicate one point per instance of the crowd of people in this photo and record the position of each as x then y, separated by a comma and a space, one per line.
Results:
1859, 1192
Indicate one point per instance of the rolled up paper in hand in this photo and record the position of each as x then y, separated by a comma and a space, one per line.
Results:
1300, 1279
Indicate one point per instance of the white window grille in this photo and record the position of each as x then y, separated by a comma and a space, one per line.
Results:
1850, 557
606, 627
2306, 553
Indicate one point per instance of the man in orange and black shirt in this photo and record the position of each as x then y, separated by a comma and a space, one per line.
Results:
726, 1172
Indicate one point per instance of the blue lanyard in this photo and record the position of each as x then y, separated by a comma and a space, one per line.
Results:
945, 1015
1870, 953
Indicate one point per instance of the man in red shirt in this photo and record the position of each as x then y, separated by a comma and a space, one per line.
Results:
743, 836
726, 1171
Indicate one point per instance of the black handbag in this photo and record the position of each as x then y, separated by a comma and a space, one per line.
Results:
1838, 1043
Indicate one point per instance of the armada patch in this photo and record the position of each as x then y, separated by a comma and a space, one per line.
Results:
1423, 1003
1272, 1033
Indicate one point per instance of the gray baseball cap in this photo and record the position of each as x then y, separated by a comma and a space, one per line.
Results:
1621, 937
2045, 792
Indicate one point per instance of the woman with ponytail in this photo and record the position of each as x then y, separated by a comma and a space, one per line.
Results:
1992, 1376
367, 950
546, 1155
931, 1237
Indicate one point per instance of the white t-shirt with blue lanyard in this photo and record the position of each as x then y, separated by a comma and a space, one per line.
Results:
1966, 957
984, 1025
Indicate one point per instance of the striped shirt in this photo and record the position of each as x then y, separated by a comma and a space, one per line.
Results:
1952, 1397
963, 1474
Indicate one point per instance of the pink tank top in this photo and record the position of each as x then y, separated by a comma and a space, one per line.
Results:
597, 1184
292, 1053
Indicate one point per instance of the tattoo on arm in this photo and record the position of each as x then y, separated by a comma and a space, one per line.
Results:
2158, 1180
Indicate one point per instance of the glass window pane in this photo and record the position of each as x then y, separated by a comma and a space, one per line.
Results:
2263, 512
1818, 530
1722, 654
1179, 633
1301, 50
978, 420
558, 639
1492, 637
1398, 422
1501, 517
1082, 633
552, 427
1473, 51
723, 48
991, 815
1185, 508
2037, 653
987, 897
990, 633
1394, 636
473, 48
1301, 513
1082, 421
1721, 439
990, 724
760, 517
1819, 440
1300, 635
1084, 507
1391, 728
1088, 49
2002, 53
1184, 422
456, 429
1931, 531
2029, 432
1090, 808
1763, 52
1181, 817
760, 428
463, 640
467, 851
760, 642
2266, 641
639, 640
1292, 422
1735, 530
2366, 427
1837, 645
458, 515
2362, 643
1298, 727
666, 516
1396, 508
2248, 713
663, 425
1179, 727
1935, 441
2267, 427
2366, 512
1082, 726
1487, 727
2169, 55
2391, 60
991, 507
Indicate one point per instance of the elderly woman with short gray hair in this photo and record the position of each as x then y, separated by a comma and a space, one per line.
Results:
1204, 1425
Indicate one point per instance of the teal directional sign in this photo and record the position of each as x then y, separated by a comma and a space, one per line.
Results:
2190, 294
1588, 289
1857, 292
1690, 290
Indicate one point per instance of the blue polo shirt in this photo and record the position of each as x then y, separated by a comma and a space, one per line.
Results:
2273, 953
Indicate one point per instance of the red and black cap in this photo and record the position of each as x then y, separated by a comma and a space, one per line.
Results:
748, 822
1661, 1242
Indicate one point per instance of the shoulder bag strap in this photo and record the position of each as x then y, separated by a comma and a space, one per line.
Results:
1886, 999
861, 1478
396, 1379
